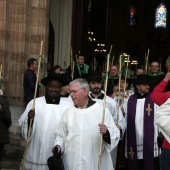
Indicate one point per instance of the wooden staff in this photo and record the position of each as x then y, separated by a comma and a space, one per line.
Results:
72, 67
110, 50
71, 63
112, 60
72, 71
103, 116
120, 69
118, 98
126, 73
110, 53
33, 108
146, 64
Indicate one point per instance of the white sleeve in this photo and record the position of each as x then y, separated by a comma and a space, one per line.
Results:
113, 130
61, 132
23, 121
122, 122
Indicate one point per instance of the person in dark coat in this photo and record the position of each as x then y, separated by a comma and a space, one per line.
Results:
113, 79
156, 76
5, 123
30, 81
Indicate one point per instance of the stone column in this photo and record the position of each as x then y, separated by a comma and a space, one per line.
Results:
23, 25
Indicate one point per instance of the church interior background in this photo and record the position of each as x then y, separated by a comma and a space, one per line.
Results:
86, 27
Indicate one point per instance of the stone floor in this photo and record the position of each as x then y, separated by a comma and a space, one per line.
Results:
13, 153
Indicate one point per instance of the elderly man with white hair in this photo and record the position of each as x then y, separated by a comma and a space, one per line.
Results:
78, 137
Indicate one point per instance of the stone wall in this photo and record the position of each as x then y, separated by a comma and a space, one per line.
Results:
23, 25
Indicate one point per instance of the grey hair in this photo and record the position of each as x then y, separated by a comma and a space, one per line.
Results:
82, 82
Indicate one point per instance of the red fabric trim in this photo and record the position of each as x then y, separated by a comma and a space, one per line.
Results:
166, 144
29, 68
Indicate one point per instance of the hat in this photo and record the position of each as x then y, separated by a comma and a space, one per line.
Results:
66, 79
94, 76
52, 76
55, 162
142, 79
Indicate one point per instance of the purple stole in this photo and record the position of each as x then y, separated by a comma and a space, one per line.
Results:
148, 141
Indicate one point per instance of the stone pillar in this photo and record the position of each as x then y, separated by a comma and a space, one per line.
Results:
23, 25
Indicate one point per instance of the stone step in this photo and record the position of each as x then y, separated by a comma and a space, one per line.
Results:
13, 151
17, 140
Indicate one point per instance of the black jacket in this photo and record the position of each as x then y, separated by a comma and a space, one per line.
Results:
29, 86
5, 120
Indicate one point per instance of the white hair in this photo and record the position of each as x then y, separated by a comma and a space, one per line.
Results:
82, 82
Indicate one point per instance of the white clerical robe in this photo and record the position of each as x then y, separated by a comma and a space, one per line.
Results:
139, 123
47, 117
79, 138
112, 105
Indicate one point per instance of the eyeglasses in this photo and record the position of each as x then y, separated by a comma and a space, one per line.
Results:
75, 91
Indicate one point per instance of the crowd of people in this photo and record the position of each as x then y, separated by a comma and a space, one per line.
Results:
66, 123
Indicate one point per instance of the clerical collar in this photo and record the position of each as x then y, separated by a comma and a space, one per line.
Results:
140, 96
90, 103
99, 97
51, 101
155, 74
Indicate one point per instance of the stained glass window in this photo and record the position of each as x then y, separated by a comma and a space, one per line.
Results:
132, 19
160, 16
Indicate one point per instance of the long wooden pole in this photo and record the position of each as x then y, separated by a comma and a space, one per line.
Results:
103, 116
146, 64
112, 60
118, 98
72, 66
72, 71
110, 54
33, 108
126, 73
110, 50
120, 69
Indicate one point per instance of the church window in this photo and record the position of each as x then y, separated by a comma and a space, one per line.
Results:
160, 16
132, 19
